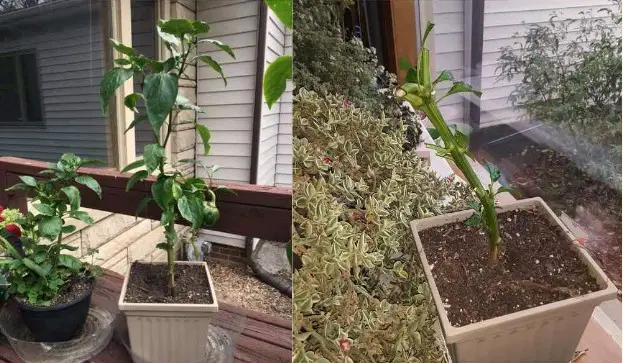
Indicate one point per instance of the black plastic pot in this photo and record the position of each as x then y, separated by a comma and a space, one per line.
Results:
57, 323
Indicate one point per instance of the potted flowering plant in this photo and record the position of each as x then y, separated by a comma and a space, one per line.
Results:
52, 289
164, 299
527, 299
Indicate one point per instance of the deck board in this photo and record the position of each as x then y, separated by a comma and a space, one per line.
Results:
264, 338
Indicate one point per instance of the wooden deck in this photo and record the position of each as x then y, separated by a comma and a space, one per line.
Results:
264, 338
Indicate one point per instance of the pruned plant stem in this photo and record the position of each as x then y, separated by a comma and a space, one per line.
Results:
485, 197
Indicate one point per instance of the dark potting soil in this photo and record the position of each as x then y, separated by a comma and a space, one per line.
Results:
536, 266
75, 289
537, 170
149, 284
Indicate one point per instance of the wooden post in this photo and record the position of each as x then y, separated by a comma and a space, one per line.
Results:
405, 33
119, 27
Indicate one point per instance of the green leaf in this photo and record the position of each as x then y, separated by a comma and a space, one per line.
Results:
474, 220
157, 191
460, 87
133, 165
404, 64
504, 189
50, 227
123, 49
44, 209
135, 178
167, 37
461, 139
18, 186
167, 217
68, 229
224, 47
136, 120
441, 152
163, 246
283, 10
160, 91
88, 161
494, 172
123, 61
214, 65
33, 266
204, 132
191, 210
434, 134
130, 101
73, 194
142, 205
177, 27
275, 78
9, 247
90, 183
200, 27
412, 75
28, 180
70, 262
82, 216
444, 76
68, 247
153, 156
182, 103
176, 190
112, 80
429, 28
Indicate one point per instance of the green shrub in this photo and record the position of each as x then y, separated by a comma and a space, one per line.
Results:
326, 63
573, 84
361, 296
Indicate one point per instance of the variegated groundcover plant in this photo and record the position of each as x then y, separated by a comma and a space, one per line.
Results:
361, 295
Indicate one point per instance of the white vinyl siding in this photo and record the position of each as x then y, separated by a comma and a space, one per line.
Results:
283, 175
70, 62
504, 18
449, 55
229, 108
143, 40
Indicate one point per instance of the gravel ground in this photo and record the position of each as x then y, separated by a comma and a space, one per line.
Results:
238, 286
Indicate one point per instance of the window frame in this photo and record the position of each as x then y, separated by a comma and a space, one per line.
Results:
21, 89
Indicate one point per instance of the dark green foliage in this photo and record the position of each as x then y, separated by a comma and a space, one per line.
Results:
177, 196
571, 79
326, 63
43, 271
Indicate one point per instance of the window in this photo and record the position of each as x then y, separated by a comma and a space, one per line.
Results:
20, 99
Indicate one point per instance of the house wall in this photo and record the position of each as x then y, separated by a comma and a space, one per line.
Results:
275, 155
69, 56
502, 19
143, 40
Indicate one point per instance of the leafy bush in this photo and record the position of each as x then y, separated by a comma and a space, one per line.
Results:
573, 83
326, 63
38, 271
361, 296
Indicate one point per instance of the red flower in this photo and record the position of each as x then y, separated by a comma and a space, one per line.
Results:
581, 241
326, 160
14, 229
1, 209
347, 103
344, 344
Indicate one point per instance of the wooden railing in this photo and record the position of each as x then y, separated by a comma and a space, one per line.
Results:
251, 210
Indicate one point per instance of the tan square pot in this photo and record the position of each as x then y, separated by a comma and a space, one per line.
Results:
548, 333
169, 332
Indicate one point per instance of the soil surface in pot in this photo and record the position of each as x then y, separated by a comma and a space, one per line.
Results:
534, 170
536, 266
75, 289
148, 283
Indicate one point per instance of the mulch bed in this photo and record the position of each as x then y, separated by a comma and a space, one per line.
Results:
537, 170
536, 266
148, 283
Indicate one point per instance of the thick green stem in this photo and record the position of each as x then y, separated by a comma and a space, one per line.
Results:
486, 198
170, 229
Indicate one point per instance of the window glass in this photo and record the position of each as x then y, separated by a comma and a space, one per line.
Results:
9, 95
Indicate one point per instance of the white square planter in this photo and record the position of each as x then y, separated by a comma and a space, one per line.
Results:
548, 333
169, 332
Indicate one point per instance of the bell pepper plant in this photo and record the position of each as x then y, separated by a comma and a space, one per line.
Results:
175, 194
419, 91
